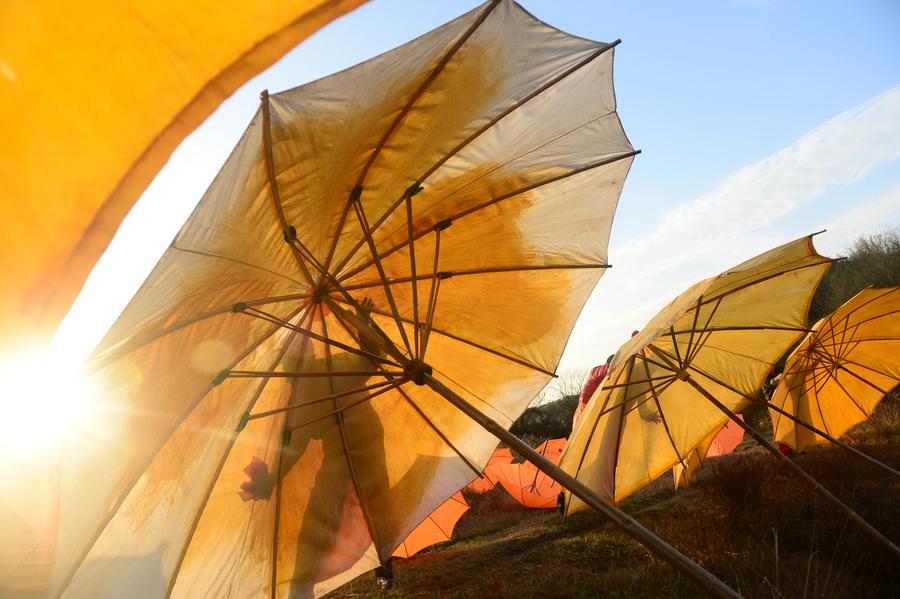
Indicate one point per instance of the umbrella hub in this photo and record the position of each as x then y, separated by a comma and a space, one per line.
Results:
416, 370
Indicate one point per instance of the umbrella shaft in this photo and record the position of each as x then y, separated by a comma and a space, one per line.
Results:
632, 527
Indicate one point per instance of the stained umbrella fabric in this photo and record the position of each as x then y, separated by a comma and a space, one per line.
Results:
528, 485
841, 370
94, 98
719, 442
436, 528
442, 210
723, 334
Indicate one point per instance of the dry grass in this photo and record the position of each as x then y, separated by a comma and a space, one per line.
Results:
745, 519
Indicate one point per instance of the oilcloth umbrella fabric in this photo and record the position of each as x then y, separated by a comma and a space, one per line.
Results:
719, 442
841, 370
94, 97
292, 390
726, 332
528, 485
698, 360
436, 528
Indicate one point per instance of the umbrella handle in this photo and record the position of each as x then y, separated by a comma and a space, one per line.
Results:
856, 518
704, 579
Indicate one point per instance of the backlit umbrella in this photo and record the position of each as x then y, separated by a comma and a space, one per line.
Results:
841, 370
698, 360
381, 277
94, 96
488, 478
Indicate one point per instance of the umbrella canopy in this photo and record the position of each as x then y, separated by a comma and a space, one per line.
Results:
94, 98
488, 478
425, 225
528, 485
718, 442
841, 370
724, 333
436, 528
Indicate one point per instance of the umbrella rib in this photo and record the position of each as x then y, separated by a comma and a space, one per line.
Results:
262, 315
235, 261
139, 343
306, 404
343, 432
476, 271
490, 124
467, 211
680, 361
476, 345
412, 270
690, 343
850, 397
642, 381
662, 416
287, 230
215, 477
437, 431
432, 296
164, 439
364, 226
705, 332
887, 291
866, 381
448, 56
245, 374
394, 384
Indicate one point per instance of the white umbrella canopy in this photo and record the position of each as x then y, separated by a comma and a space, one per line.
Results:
438, 213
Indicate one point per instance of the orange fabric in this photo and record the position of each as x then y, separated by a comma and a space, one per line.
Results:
436, 528
528, 485
95, 96
483, 484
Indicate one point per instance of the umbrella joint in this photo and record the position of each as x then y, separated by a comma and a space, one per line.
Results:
416, 370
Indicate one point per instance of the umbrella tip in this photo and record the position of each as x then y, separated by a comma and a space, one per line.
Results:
264, 95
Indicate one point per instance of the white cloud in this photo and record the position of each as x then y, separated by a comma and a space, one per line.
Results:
735, 221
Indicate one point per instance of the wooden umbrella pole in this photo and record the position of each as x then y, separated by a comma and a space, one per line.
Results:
856, 518
632, 527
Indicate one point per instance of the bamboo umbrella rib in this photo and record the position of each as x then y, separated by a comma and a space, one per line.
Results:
679, 361
650, 379
496, 200
872, 318
412, 270
139, 472
730, 353
448, 56
432, 296
663, 416
480, 399
691, 353
817, 387
301, 374
136, 344
489, 125
476, 345
339, 417
315, 336
475, 271
394, 384
690, 343
306, 404
866, 381
234, 435
887, 291
364, 226
706, 330
850, 397
236, 261
274, 192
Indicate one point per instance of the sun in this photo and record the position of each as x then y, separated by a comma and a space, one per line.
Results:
42, 400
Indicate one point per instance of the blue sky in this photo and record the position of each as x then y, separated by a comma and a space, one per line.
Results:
759, 121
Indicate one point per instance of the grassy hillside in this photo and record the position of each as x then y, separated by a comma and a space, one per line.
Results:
745, 519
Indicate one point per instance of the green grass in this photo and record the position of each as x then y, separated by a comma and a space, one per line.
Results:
745, 518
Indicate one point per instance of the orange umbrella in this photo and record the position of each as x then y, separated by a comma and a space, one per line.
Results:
528, 485
720, 442
436, 528
486, 482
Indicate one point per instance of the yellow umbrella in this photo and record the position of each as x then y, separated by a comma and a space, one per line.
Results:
841, 370
293, 389
94, 97
700, 359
